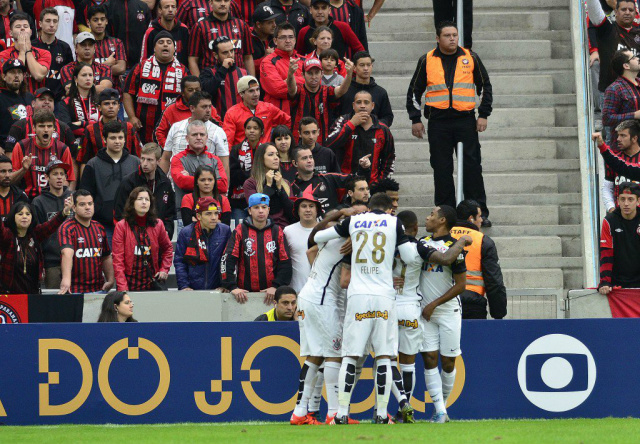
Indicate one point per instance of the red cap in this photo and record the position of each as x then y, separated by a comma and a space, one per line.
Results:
312, 63
207, 204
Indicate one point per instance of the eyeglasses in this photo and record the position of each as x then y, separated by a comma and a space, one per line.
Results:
286, 37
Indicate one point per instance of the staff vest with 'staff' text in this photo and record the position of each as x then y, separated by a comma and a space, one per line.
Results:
462, 96
473, 259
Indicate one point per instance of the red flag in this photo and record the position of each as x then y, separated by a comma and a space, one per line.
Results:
14, 308
625, 302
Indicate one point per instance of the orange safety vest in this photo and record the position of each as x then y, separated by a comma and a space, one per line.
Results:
462, 96
473, 259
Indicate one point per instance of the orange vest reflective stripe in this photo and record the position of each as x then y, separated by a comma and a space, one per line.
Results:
473, 259
462, 96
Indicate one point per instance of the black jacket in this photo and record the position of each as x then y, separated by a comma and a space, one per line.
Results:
162, 191
13, 107
380, 97
418, 86
298, 14
128, 21
48, 206
496, 293
326, 188
325, 160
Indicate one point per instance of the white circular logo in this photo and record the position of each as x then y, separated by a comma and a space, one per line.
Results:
556, 373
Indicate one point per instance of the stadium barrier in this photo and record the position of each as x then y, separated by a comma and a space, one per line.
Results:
214, 372
586, 303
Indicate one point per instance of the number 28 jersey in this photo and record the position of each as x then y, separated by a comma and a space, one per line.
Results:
374, 237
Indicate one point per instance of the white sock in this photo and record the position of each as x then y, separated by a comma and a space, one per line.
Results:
347, 381
331, 378
307, 375
397, 388
408, 379
434, 387
448, 380
316, 394
384, 382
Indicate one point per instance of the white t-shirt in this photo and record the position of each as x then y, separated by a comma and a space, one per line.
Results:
216, 139
297, 238
323, 285
436, 280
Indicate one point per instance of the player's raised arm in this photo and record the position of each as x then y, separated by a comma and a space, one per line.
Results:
436, 257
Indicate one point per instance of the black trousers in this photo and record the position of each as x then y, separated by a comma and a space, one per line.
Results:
444, 135
474, 306
447, 10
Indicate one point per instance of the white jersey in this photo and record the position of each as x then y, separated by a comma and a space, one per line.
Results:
410, 272
435, 279
297, 238
374, 238
323, 285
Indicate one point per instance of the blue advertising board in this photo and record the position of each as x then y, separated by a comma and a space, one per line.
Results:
190, 372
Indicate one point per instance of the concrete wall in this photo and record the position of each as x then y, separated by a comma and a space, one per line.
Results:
587, 304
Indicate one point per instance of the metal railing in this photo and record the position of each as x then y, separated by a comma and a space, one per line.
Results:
589, 170
459, 148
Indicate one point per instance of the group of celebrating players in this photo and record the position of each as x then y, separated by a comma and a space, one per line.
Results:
381, 292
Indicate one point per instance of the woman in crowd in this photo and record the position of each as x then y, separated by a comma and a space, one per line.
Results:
80, 109
21, 239
117, 307
142, 250
204, 185
282, 139
266, 178
322, 39
240, 161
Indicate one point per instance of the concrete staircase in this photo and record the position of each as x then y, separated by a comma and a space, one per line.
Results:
530, 149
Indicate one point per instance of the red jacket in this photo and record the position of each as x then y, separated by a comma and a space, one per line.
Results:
125, 242
273, 78
271, 116
184, 164
176, 112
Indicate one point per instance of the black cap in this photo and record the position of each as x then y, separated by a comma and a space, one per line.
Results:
57, 164
42, 91
13, 64
162, 35
108, 94
263, 13
313, 2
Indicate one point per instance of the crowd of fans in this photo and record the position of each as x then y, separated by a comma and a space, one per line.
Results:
614, 46
228, 125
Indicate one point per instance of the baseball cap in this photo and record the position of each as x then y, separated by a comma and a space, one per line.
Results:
81, 37
42, 91
312, 63
207, 204
258, 199
243, 83
56, 164
263, 13
13, 64
108, 94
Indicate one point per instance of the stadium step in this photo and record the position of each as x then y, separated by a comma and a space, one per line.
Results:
530, 148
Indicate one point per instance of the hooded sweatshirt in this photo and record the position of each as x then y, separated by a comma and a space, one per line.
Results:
47, 205
102, 177
380, 97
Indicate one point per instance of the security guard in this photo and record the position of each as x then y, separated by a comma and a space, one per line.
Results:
286, 306
484, 276
452, 76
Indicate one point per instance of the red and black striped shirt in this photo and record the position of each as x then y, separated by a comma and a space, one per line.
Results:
316, 105
42, 56
221, 83
14, 195
256, 259
93, 141
209, 29
106, 47
36, 178
246, 8
190, 12
617, 179
139, 278
90, 247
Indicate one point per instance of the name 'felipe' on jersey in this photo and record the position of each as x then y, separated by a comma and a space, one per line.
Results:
323, 285
436, 280
374, 237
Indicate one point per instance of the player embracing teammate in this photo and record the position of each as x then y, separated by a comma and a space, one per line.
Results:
371, 314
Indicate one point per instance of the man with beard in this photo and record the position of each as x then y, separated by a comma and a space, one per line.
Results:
14, 99
9, 194
47, 205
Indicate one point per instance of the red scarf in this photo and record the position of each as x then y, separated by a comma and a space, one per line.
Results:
156, 86
245, 157
85, 110
196, 252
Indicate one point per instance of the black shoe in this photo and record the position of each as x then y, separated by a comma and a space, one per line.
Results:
387, 420
339, 420
398, 417
486, 223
